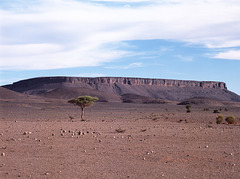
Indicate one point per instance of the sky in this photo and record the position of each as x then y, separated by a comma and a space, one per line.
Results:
167, 39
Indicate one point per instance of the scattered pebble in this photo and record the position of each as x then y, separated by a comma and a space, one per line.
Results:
3, 154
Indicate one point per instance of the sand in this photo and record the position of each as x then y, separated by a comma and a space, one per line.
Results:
46, 139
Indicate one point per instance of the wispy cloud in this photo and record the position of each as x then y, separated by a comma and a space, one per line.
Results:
230, 55
48, 56
49, 34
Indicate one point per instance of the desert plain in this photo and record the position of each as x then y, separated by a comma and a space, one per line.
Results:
45, 138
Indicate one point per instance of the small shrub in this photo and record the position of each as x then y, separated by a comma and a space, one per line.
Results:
219, 119
230, 120
216, 111
188, 107
206, 109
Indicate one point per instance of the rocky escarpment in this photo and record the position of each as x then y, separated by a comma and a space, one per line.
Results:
154, 88
28, 84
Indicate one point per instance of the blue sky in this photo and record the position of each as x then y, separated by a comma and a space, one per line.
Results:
172, 39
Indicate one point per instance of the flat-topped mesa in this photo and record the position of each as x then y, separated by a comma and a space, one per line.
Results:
147, 81
113, 88
120, 80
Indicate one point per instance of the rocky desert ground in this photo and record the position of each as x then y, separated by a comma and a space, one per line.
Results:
44, 138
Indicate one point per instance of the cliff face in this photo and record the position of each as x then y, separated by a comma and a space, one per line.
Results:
119, 80
146, 81
155, 88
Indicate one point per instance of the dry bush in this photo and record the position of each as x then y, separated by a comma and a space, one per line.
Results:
219, 119
216, 111
188, 108
231, 120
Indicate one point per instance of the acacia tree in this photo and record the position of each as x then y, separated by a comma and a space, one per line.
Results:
83, 102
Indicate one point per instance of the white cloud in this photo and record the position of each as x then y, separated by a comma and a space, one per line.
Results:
231, 55
67, 33
52, 59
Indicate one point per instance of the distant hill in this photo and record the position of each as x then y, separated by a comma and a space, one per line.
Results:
9, 94
116, 89
207, 101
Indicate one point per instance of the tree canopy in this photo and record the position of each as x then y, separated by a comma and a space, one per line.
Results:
83, 102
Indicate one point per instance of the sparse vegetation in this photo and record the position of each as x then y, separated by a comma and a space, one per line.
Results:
219, 119
83, 102
231, 120
206, 109
188, 107
216, 111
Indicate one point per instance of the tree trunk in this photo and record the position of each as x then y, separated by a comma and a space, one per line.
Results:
82, 115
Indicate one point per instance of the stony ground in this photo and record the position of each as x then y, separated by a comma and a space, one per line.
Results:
46, 139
